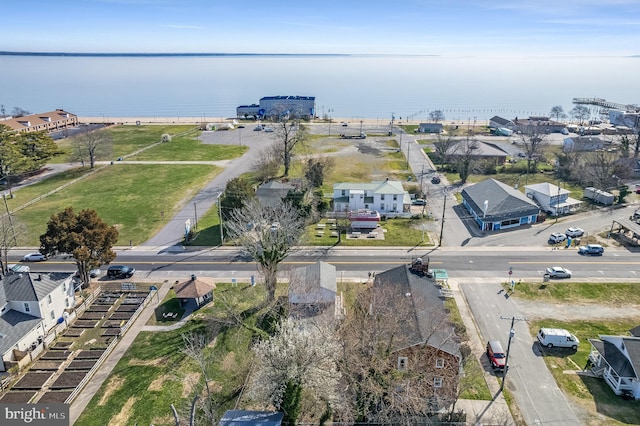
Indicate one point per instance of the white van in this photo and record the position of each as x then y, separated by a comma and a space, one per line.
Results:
557, 337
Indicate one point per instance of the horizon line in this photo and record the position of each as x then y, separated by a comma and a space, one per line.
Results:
165, 54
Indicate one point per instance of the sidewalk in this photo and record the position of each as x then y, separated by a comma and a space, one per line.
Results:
480, 412
102, 373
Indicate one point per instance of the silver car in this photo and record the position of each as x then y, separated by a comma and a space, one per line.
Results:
558, 272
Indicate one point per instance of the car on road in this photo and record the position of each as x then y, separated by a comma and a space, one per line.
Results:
591, 250
496, 355
345, 124
268, 129
435, 179
574, 232
34, 257
558, 272
419, 202
120, 271
258, 128
557, 237
94, 272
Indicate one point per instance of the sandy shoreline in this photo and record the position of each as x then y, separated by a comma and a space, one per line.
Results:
215, 120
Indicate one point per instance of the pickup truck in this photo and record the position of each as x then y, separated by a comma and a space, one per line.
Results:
591, 250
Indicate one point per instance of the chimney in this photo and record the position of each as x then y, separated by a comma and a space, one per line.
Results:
39, 277
193, 277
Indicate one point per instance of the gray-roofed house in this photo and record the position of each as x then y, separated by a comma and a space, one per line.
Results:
552, 198
387, 197
272, 192
495, 206
30, 305
425, 342
617, 360
583, 143
313, 292
497, 121
430, 128
480, 151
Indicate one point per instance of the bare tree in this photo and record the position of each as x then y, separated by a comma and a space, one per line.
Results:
298, 362
558, 113
288, 134
464, 156
533, 140
436, 115
89, 146
267, 163
602, 169
580, 113
10, 229
443, 144
19, 112
195, 347
267, 233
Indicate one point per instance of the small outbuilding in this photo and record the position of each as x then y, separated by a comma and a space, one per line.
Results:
195, 292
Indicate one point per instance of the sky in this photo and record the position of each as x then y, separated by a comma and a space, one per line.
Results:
418, 27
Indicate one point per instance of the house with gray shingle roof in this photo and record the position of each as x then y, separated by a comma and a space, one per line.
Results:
387, 196
30, 305
497, 121
617, 360
313, 293
273, 192
495, 206
425, 346
552, 198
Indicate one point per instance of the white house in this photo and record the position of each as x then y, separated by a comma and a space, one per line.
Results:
387, 196
30, 305
617, 360
552, 198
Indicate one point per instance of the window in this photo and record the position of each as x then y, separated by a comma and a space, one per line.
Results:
64, 287
344, 192
26, 307
395, 197
402, 363
440, 363
437, 382
52, 315
66, 302
351, 195
381, 206
382, 196
49, 299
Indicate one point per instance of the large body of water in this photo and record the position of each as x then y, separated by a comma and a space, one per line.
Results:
464, 88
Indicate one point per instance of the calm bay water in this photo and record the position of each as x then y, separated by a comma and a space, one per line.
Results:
465, 88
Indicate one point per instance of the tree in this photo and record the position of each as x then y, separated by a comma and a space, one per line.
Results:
268, 161
602, 169
580, 113
19, 112
91, 145
436, 115
442, 144
289, 134
315, 170
533, 140
558, 113
464, 158
267, 233
10, 229
84, 235
237, 192
297, 363
195, 347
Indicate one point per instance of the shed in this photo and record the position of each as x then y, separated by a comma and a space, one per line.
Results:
198, 291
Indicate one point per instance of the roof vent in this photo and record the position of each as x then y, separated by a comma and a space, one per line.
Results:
193, 277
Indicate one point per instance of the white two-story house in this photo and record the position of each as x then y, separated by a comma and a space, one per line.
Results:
386, 197
552, 198
31, 304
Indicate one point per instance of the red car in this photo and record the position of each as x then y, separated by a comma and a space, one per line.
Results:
496, 355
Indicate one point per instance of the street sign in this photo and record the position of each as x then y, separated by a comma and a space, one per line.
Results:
510, 272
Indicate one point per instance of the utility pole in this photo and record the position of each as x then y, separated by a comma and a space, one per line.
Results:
220, 216
506, 360
444, 208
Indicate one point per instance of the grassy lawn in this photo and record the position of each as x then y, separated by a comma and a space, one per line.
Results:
188, 148
399, 232
591, 393
169, 305
131, 197
154, 372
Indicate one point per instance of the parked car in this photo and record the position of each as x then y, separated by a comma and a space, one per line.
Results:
435, 179
496, 355
558, 337
34, 257
558, 272
258, 128
120, 271
574, 232
591, 250
418, 202
94, 272
557, 237
268, 129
